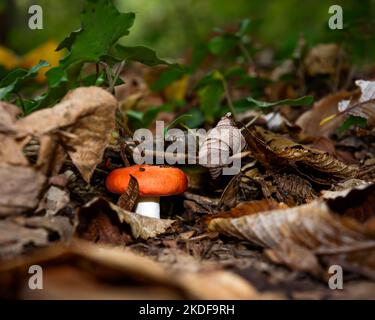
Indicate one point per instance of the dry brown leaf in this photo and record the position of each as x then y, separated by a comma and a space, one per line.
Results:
221, 285
8, 116
129, 198
278, 150
19, 235
141, 227
88, 271
20, 189
296, 257
323, 59
365, 106
309, 122
249, 208
314, 226
83, 120
292, 189
53, 201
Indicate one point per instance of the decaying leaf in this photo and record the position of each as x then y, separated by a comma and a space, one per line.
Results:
295, 256
293, 189
20, 189
54, 200
83, 121
8, 116
249, 208
323, 59
129, 198
140, 226
87, 271
278, 150
19, 235
315, 226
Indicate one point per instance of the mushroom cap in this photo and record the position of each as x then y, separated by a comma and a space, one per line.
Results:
152, 180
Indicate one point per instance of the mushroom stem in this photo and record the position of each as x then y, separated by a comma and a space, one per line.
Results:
149, 207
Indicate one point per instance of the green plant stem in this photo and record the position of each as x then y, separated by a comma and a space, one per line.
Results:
246, 53
229, 98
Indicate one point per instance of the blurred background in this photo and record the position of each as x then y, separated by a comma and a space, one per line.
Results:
173, 27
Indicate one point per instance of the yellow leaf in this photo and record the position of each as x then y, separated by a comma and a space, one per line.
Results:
44, 52
177, 90
8, 58
328, 119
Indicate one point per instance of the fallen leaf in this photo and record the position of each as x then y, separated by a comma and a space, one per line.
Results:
83, 121
310, 121
8, 116
295, 257
365, 106
249, 208
315, 226
19, 235
20, 189
140, 226
323, 59
53, 201
275, 149
87, 271
129, 198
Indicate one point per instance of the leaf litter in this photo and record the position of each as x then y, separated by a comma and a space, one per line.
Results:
303, 199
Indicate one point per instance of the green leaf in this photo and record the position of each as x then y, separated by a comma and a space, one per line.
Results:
102, 26
210, 98
353, 121
55, 76
304, 101
222, 44
177, 121
145, 119
141, 54
245, 27
12, 83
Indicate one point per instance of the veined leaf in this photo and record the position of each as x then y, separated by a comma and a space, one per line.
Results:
141, 54
15, 79
102, 26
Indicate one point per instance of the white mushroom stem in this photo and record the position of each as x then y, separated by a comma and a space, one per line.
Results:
148, 207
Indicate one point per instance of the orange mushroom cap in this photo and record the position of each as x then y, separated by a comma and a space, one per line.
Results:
154, 181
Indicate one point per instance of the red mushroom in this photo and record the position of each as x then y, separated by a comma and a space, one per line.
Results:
154, 182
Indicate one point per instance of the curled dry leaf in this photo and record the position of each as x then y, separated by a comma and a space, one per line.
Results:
140, 226
275, 149
83, 122
315, 226
128, 199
